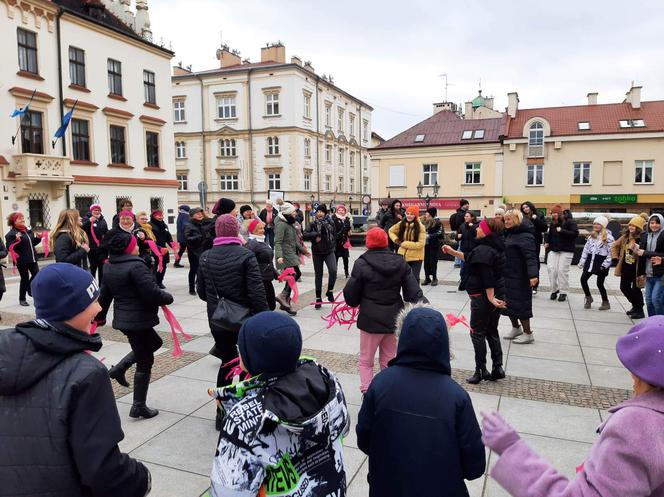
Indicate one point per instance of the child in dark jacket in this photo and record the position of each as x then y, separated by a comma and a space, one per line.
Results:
416, 423
378, 279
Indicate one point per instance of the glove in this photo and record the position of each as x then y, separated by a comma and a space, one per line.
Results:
496, 433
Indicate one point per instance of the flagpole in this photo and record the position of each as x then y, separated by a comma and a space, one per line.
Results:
71, 113
20, 114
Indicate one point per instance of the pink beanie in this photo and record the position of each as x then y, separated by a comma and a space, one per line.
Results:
227, 226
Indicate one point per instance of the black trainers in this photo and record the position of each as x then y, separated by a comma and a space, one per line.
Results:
330, 296
562, 297
554, 296
434, 282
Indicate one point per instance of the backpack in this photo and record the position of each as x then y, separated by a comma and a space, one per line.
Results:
453, 225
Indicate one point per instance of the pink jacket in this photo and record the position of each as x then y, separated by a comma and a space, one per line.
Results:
626, 461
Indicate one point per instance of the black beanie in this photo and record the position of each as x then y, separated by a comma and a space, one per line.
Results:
270, 343
223, 206
322, 208
119, 243
433, 212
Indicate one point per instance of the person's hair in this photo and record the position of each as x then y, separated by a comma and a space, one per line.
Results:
603, 234
142, 213
416, 229
495, 225
515, 214
68, 222
637, 233
463, 202
125, 202
11, 219
393, 204
472, 215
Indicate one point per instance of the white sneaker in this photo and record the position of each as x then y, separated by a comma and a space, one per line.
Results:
525, 339
514, 333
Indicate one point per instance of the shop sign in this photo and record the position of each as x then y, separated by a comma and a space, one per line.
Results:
438, 203
624, 198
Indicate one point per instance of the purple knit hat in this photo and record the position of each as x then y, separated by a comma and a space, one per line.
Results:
642, 350
227, 225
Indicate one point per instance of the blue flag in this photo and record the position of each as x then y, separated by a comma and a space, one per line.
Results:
21, 112
65, 124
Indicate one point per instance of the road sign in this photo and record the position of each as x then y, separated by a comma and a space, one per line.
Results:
202, 187
366, 199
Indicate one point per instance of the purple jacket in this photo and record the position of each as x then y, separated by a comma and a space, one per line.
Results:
626, 461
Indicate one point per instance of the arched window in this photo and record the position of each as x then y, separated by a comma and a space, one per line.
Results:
307, 147
180, 150
273, 145
536, 140
227, 148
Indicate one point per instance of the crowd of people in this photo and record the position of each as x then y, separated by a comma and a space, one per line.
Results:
281, 417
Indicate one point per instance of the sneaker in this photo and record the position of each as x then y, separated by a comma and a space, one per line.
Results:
587, 302
514, 333
457, 266
177, 264
426, 282
554, 296
434, 282
534, 291
24, 303
192, 292
632, 311
524, 339
319, 303
637, 315
605, 306
562, 297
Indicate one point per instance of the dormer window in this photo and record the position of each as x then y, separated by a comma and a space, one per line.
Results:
638, 123
631, 123
536, 140
479, 134
467, 135
419, 138
583, 125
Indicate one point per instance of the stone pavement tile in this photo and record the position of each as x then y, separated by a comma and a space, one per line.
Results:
201, 344
607, 328
351, 438
353, 459
493, 489
169, 482
551, 420
187, 310
598, 340
545, 369
175, 394
191, 326
475, 487
350, 384
465, 359
604, 414
544, 350
204, 369
542, 323
188, 445
137, 432
565, 455
348, 344
610, 376
601, 356
358, 486
549, 336
552, 311
602, 317
208, 411
483, 402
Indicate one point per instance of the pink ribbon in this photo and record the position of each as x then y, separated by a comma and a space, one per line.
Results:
342, 314
92, 232
13, 254
453, 320
175, 327
157, 252
44, 241
236, 370
347, 245
176, 251
93, 328
288, 275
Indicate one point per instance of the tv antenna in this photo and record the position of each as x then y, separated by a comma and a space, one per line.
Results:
447, 83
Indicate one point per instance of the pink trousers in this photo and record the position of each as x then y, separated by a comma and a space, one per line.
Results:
369, 342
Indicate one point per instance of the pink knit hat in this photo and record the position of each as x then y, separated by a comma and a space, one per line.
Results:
227, 226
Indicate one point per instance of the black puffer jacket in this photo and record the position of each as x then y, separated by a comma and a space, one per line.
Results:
390, 218
457, 219
26, 249
342, 228
136, 297
520, 266
198, 236
435, 235
539, 223
487, 266
264, 256
231, 271
59, 423
162, 234
565, 239
103, 251
468, 232
66, 251
376, 284
323, 236
100, 227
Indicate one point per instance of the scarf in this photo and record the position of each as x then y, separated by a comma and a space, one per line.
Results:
268, 216
258, 238
228, 240
147, 227
22, 229
129, 230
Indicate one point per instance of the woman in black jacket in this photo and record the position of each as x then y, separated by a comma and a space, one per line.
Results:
136, 297
70, 243
376, 285
323, 237
531, 213
521, 274
435, 236
486, 289
96, 228
229, 271
466, 236
342, 227
393, 216
164, 241
197, 235
23, 241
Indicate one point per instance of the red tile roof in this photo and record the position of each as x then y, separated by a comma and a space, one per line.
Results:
446, 128
603, 119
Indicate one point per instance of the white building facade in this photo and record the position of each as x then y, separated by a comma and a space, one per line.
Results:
250, 129
118, 144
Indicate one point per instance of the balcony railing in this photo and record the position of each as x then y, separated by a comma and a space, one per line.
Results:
28, 169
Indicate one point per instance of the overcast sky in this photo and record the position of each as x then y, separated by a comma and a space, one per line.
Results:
391, 53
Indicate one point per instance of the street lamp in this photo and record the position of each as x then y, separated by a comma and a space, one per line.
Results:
436, 187
420, 188
350, 204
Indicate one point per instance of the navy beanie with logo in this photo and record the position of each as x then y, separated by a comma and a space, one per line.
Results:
61, 291
270, 343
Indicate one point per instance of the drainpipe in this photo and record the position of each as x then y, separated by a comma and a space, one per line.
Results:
317, 141
203, 146
251, 140
63, 141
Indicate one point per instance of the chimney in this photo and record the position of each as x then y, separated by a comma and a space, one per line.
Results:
180, 71
488, 102
592, 98
633, 96
308, 66
468, 110
296, 60
228, 58
274, 52
447, 106
512, 104
143, 20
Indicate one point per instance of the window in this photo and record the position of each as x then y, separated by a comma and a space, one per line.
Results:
638, 123
77, 66
328, 153
397, 176
351, 125
340, 184
581, 174
307, 147
364, 165
184, 182
227, 148
365, 129
473, 173
307, 182
419, 138
152, 148
342, 154
226, 108
229, 182
535, 175
536, 140
32, 134
328, 183
340, 122
467, 135
479, 134
178, 111
118, 145
328, 115
631, 123
272, 104
180, 150
114, 77
36, 211
274, 181
352, 185
365, 185
83, 203
27, 51
583, 125
273, 145
149, 87
430, 174
351, 159
80, 139
156, 204
643, 172
307, 105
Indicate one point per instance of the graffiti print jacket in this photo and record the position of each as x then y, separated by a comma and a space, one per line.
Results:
282, 436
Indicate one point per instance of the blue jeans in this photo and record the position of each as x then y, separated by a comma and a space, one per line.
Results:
654, 296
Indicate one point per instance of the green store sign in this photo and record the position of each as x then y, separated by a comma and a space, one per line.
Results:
627, 198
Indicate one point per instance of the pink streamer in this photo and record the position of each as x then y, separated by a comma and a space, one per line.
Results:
581, 467
347, 245
453, 320
342, 314
92, 232
157, 252
288, 275
176, 251
14, 255
44, 241
93, 328
236, 370
175, 327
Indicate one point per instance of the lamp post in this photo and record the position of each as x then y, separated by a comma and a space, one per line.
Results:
420, 190
350, 204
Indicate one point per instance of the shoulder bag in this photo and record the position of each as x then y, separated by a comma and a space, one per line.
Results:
228, 315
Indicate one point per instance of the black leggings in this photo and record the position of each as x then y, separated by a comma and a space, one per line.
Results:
431, 261
484, 318
331, 262
631, 291
144, 344
28, 273
193, 271
225, 343
155, 268
96, 265
600, 284
416, 267
181, 251
343, 255
269, 295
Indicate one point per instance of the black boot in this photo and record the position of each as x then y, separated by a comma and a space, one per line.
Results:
480, 374
426, 281
330, 296
118, 371
319, 303
434, 281
497, 372
138, 408
637, 314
